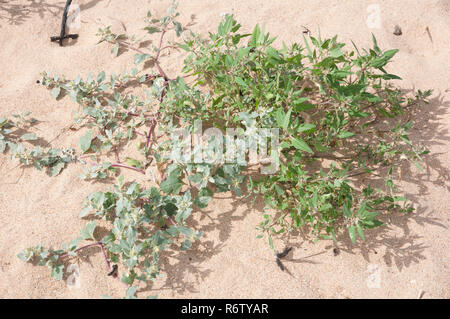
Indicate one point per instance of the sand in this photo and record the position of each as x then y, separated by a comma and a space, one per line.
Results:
399, 261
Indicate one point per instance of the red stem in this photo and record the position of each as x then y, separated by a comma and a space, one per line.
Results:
161, 72
104, 255
160, 44
128, 45
171, 220
99, 243
150, 132
129, 167
139, 133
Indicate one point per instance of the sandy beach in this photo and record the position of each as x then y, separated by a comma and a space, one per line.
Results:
410, 256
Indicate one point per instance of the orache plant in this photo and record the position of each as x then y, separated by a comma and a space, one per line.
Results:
338, 114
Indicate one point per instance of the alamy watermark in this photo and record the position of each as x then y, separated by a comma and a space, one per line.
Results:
374, 278
73, 280
74, 17
243, 147
373, 20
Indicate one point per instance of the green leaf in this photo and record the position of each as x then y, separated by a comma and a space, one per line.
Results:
352, 233
151, 29
184, 47
345, 134
133, 162
55, 92
55, 169
300, 144
115, 49
321, 148
88, 231
131, 292
336, 52
347, 211
129, 279
241, 82
286, 120
185, 245
85, 141
203, 198
172, 184
390, 53
24, 255
418, 166
57, 271
101, 77
274, 55
196, 178
360, 231
300, 107
305, 127
86, 210
408, 125
2, 146
141, 57
279, 115
74, 243
372, 223
254, 41
29, 137
178, 28
375, 45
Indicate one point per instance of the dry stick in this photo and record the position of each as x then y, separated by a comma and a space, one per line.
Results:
63, 35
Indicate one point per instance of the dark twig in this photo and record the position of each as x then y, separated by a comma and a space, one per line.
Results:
280, 264
63, 35
113, 272
284, 253
280, 256
120, 165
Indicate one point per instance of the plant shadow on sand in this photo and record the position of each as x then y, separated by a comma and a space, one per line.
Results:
401, 247
189, 263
